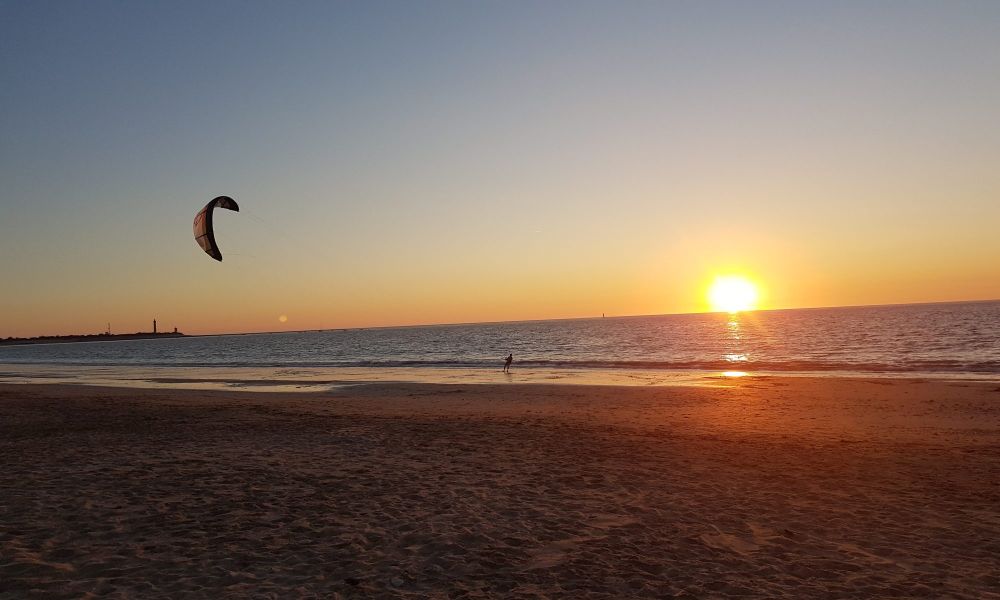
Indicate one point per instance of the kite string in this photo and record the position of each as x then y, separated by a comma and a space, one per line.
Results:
271, 229
230, 252
251, 214
292, 241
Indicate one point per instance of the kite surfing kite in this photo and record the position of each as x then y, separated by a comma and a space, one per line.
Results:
204, 233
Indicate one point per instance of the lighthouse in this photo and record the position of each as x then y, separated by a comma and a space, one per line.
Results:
154, 326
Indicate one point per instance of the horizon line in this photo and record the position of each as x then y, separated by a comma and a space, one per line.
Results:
460, 323
632, 316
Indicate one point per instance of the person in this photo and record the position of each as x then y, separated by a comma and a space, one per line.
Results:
506, 365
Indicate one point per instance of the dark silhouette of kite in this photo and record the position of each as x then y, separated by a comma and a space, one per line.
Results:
204, 233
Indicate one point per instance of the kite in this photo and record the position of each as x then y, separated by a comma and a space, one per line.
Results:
204, 233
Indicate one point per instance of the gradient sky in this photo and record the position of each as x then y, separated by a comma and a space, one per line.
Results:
420, 162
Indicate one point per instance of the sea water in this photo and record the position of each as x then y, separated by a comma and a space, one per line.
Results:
954, 339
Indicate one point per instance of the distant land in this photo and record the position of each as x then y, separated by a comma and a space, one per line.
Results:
92, 337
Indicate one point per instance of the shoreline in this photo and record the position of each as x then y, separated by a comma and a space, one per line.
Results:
89, 338
321, 379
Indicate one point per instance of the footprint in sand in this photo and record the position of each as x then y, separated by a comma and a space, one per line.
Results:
728, 542
20, 554
608, 521
555, 553
719, 540
863, 555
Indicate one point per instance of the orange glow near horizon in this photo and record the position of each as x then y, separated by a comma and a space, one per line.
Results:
732, 294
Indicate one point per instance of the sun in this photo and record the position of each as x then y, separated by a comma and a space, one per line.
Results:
732, 294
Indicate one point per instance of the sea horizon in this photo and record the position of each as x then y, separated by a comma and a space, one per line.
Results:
942, 339
604, 316
512, 321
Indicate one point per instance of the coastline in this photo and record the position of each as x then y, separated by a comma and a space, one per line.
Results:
762, 487
307, 379
89, 337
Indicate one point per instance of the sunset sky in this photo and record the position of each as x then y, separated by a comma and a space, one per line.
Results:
427, 162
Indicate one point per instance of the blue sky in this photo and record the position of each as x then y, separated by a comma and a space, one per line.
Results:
427, 162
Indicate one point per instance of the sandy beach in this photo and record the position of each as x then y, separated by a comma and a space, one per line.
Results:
755, 487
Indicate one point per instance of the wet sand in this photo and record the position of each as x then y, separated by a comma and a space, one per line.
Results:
759, 487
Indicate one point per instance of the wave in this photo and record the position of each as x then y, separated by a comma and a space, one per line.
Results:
796, 366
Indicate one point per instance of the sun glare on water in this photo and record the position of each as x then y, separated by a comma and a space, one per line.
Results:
732, 294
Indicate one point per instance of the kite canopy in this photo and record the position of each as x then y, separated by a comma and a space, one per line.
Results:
204, 233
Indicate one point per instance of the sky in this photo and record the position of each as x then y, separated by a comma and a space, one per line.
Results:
433, 162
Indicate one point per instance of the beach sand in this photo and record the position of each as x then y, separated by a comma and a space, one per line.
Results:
756, 487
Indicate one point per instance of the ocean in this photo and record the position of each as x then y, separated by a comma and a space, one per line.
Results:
953, 339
